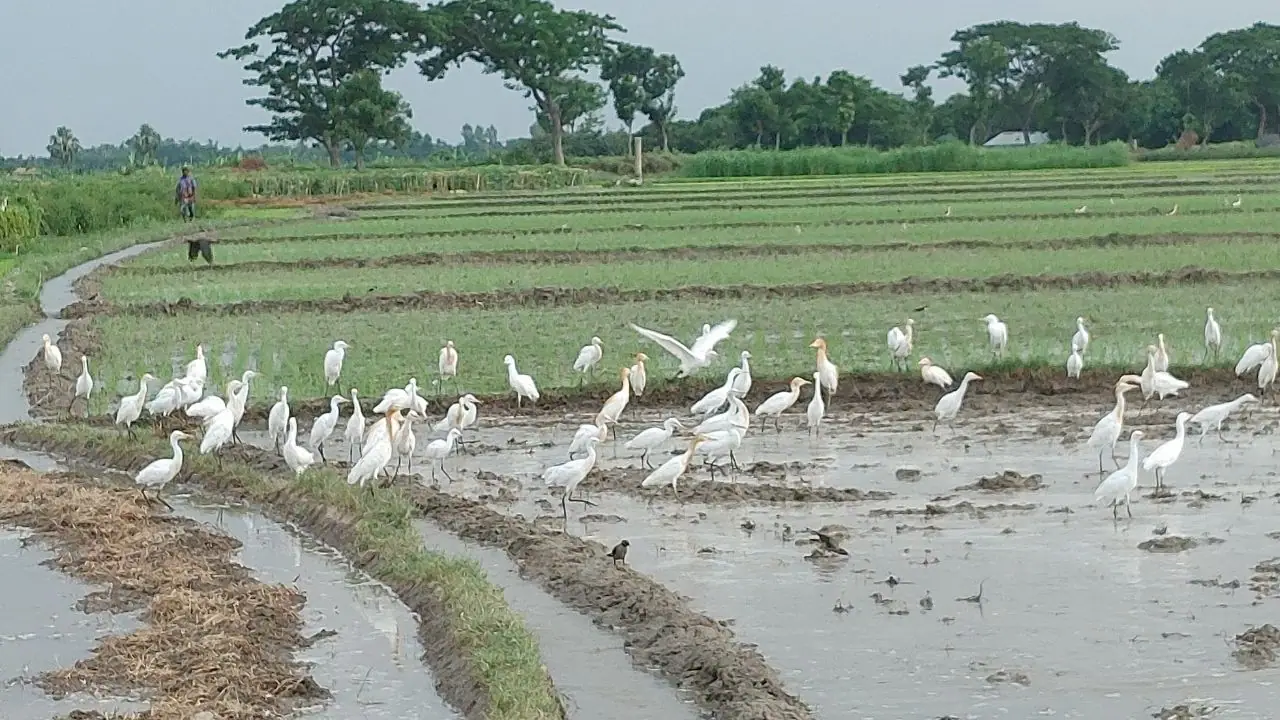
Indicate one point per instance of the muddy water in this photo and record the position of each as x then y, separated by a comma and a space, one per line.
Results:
1098, 627
372, 665
56, 294
590, 666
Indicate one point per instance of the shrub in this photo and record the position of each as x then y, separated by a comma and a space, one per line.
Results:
19, 223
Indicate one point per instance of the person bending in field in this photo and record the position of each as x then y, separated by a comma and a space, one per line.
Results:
186, 198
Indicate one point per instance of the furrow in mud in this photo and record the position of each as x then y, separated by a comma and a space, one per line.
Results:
563, 297
640, 253
689, 489
566, 229
1135, 188
730, 680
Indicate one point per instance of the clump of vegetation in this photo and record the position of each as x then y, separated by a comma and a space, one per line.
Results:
308, 182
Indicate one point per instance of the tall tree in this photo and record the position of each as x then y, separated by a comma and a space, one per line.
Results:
315, 47
916, 78
981, 62
1088, 95
659, 85
535, 47
622, 69
1207, 97
64, 146
144, 144
577, 100
1250, 60
366, 112
846, 93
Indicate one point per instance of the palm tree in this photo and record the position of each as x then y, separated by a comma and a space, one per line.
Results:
144, 144
63, 146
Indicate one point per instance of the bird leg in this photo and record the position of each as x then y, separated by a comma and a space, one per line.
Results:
235, 437
446, 472
396, 473
644, 459
1126, 505
1114, 459
132, 434
584, 501
162, 501
733, 461
320, 449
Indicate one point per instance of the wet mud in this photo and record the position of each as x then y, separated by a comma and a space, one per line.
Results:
214, 639
692, 489
561, 297
1257, 647
645, 254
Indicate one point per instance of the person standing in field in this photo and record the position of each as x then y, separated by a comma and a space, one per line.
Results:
186, 197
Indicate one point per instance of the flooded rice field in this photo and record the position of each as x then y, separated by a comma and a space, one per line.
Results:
983, 584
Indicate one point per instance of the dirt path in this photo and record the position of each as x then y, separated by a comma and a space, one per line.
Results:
214, 638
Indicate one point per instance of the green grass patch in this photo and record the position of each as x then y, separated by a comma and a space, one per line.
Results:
287, 348
500, 648
302, 182
828, 267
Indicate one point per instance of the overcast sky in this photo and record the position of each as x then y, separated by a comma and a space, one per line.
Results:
105, 67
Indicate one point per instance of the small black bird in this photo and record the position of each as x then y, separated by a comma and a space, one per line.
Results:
619, 552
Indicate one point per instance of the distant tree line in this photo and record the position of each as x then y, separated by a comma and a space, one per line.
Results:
319, 65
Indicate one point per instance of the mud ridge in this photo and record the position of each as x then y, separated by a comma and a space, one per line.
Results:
445, 651
215, 640
566, 229
564, 297
1002, 390
912, 192
692, 489
641, 253
730, 680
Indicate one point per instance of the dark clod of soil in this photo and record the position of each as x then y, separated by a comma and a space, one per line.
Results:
907, 474
1175, 543
1015, 677
1256, 647
1007, 481
1184, 712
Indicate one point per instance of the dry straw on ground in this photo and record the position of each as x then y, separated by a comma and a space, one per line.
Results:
215, 639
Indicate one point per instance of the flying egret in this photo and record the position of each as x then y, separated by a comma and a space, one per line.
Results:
817, 408
997, 334
828, 373
1117, 486
1255, 354
780, 402
297, 458
639, 378
949, 405
439, 449
1212, 335
448, 364
52, 355
934, 374
377, 451
582, 437
84, 386
1107, 430
670, 471
570, 475
522, 385
322, 427
653, 438
131, 406
1075, 363
1081, 338
588, 357
159, 473
333, 358
1214, 415
900, 344
1167, 454
278, 418
700, 354
354, 432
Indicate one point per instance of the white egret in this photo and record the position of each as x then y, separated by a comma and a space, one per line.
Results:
131, 406
828, 373
720, 444
570, 475
1267, 370
700, 354
278, 418
52, 355
817, 408
461, 415
377, 452
522, 385
1107, 430
1081, 338
934, 374
1117, 486
84, 386
737, 415
1212, 335
1075, 363
448, 364
1082, 209
997, 334
405, 443
653, 438
588, 357
197, 369
780, 402
1158, 382
1167, 454
322, 427
715, 399
354, 432
241, 401
1214, 415
1239, 201
1255, 354
297, 458
1162, 354
439, 449
949, 405
217, 431
405, 398
207, 407
741, 383
639, 378
583, 436
333, 358
175, 394
617, 402
159, 473
900, 340
669, 472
